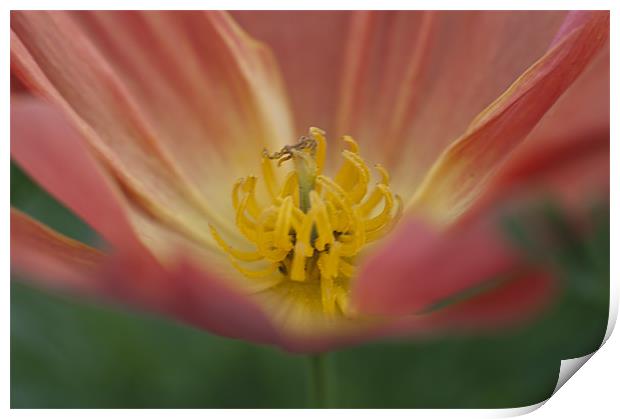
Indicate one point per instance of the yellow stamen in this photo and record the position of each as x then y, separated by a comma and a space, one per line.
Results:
237, 254
375, 196
269, 177
321, 147
313, 226
360, 184
252, 205
246, 226
283, 224
385, 215
323, 226
265, 239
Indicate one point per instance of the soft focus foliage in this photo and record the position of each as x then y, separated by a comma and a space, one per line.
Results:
69, 354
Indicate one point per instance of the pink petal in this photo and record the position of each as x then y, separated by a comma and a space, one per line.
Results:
414, 80
583, 111
51, 152
566, 157
574, 173
309, 46
175, 104
517, 300
420, 266
51, 259
131, 275
461, 172
192, 296
405, 84
133, 278
183, 292
512, 302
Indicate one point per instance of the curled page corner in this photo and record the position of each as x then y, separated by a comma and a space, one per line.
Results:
518, 411
568, 367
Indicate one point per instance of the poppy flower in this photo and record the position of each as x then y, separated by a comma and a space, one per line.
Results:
306, 179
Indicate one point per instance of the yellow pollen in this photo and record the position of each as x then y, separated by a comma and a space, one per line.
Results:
312, 227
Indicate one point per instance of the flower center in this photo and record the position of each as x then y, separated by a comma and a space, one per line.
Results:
312, 227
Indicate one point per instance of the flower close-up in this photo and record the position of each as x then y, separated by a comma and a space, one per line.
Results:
307, 180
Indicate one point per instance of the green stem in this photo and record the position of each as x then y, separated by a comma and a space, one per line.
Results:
318, 381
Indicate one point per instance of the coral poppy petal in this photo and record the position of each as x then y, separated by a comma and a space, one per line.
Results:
190, 295
53, 153
413, 80
419, 266
462, 171
46, 258
572, 170
516, 301
513, 302
309, 47
581, 114
177, 105
50, 260
130, 276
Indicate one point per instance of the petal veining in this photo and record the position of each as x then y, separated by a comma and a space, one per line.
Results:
163, 144
461, 172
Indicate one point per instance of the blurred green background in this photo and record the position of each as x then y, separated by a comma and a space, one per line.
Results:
68, 354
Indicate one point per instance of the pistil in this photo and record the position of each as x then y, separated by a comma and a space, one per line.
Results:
303, 155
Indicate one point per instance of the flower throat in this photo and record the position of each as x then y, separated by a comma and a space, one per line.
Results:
313, 226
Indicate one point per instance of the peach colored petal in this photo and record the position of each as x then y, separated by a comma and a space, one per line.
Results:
50, 259
404, 84
573, 20
126, 150
512, 302
54, 155
582, 111
200, 80
163, 145
566, 156
414, 80
194, 297
133, 278
420, 266
309, 47
516, 300
460, 174
573, 171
